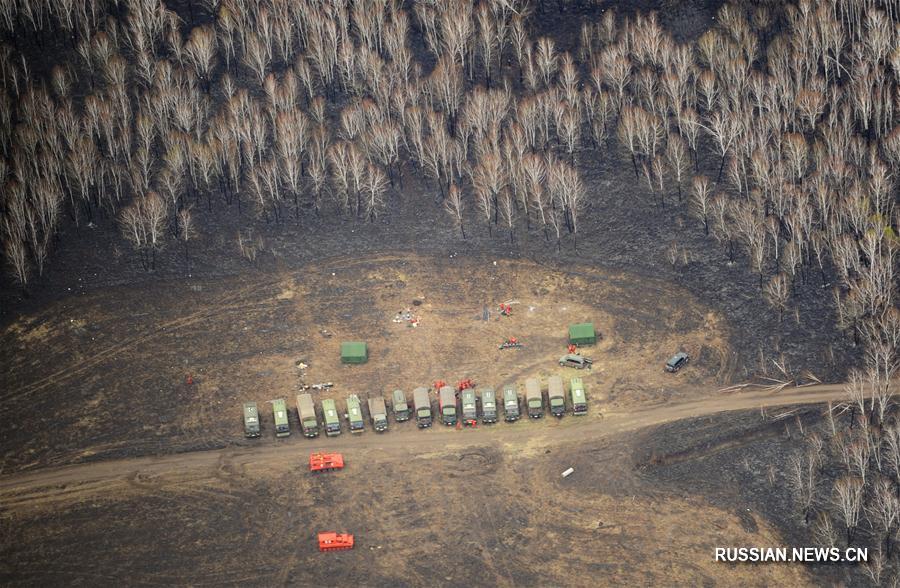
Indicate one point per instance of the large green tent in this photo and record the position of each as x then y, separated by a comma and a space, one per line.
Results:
582, 334
354, 352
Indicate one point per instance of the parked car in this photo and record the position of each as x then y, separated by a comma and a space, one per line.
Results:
576, 361
677, 362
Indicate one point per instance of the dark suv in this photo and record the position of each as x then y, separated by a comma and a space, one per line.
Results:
677, 362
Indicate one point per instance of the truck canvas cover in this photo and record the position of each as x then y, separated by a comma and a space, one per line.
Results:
378, 412
448, 405
556, 392
423, 406
307, 413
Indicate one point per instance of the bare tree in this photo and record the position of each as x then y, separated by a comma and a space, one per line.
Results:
778, 292
455, 205
848, 493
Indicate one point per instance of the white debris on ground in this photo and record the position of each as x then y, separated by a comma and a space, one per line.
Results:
568, 472
407, 316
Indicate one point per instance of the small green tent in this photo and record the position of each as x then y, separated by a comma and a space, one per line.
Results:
354, 352
582, 334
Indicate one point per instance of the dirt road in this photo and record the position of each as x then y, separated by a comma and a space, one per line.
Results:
118, 478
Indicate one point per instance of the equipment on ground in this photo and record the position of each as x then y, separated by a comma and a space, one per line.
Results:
582, 334
469, 407
279, 410
511, 343
447, 398
571, 348
325, 462
354, 352
335, 541
533, 398
251, 420
579, 399
510, 403
422, 404
573, 360
556, 394
465, 384
332, 420
378, 414
488, 405
399, 405
306, 410
505, 309
355, 415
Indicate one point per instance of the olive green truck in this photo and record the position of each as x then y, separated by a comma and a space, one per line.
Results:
534, 401
579, 399
556, 394
378, 414
279, 411
355, 415
306, 410
251, 420
422, 404
332, 420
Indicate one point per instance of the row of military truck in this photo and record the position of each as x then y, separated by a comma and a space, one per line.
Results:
454, 407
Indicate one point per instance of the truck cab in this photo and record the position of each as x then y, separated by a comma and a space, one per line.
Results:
447, 397
378, 413
556, 393
423, 407
332, 421
401, 408
534, 401
510, 403
488, 405
579, 399
354, 414
279, 411
251, 420
306, 410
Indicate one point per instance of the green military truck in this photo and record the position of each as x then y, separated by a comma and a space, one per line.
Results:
510, 403
399, 405
378, 414
422, 403
579, 399
251, 420
306, 410
279, 410
332, 420
355, 415
488, 405
447, 396
534, 401
469, 406
556, 394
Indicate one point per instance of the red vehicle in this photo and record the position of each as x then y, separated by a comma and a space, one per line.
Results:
335, 541
325, 462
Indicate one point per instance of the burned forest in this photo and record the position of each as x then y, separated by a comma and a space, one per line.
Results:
673, 224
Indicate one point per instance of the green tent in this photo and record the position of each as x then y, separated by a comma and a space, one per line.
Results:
582, 334
354, 352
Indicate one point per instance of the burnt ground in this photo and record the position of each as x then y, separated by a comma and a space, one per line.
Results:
646, 508
95, 354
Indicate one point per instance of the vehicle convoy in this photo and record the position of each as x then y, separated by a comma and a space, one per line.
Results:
510, 403
423, 407
573, 360
355, 415
488, 405
306, 410
469, 406
447, 397
556, 393
332, 420
378, 414
579, 399
534, 401
401, 408
251, 420
279, 410
677, 361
